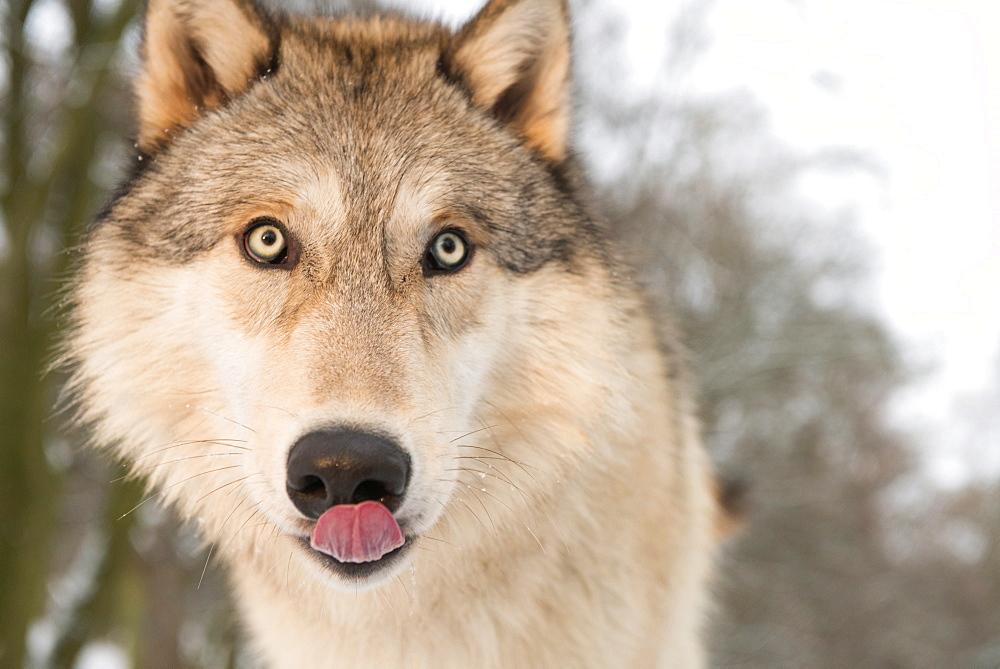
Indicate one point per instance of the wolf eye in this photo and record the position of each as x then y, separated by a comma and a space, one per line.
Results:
264, 242
448, 252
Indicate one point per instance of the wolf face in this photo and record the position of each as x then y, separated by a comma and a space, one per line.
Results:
352, 304
341, 229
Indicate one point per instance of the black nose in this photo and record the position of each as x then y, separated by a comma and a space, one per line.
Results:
331, 467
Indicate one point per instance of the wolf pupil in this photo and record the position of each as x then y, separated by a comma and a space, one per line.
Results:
270, 237
448, 245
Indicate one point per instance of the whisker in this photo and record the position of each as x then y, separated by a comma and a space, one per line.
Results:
274, 566
276, 563
268, 406
439, 540
496, 453
498, 478
387, 602
217, 442
162, 490
474, 514
522, 465
260, 527
520, 432
171, 462
205, 568
219, 415
507, 418
481, 459
476, 457
475, 496
223, 486
469, 434
533, 536
426, 415
232, 537
409, 594
236, 508
212, 547
524, 495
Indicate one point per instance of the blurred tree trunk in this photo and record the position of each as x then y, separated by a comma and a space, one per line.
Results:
101, 604
28, 487
39, 208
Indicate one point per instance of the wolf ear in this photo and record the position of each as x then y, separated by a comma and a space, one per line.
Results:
196, 55
515, 58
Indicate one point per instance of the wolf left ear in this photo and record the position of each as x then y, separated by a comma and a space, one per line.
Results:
196, 55
515, 58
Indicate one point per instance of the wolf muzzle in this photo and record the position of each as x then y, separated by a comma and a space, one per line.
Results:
327, 468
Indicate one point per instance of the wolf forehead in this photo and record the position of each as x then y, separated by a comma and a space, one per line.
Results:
370, 105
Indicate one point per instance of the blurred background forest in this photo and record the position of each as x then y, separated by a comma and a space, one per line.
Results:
852, 558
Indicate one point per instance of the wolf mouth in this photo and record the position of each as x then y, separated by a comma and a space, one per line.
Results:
359, 571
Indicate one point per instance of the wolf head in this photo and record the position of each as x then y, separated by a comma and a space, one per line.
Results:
352, 271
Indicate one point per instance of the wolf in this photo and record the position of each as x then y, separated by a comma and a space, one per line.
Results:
352, 313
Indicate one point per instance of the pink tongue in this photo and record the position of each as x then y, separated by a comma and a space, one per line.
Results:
357, 532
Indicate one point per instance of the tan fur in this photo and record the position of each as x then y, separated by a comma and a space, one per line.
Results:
188, 68
524, 42
560, 505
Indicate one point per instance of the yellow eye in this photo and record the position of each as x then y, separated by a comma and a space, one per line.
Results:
448, 252
265, 242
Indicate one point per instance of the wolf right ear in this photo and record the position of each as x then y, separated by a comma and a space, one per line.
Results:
196, 55
515, 58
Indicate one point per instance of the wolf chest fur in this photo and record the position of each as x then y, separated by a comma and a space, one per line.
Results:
355, 314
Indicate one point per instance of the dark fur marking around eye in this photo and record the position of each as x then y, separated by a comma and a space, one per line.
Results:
535, 229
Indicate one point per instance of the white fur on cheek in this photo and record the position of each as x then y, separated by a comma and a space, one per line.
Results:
253, 393
233, 356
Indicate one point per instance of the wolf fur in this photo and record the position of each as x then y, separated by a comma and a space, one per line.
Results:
560, 507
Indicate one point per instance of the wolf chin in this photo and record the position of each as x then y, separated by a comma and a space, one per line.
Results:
352, 314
